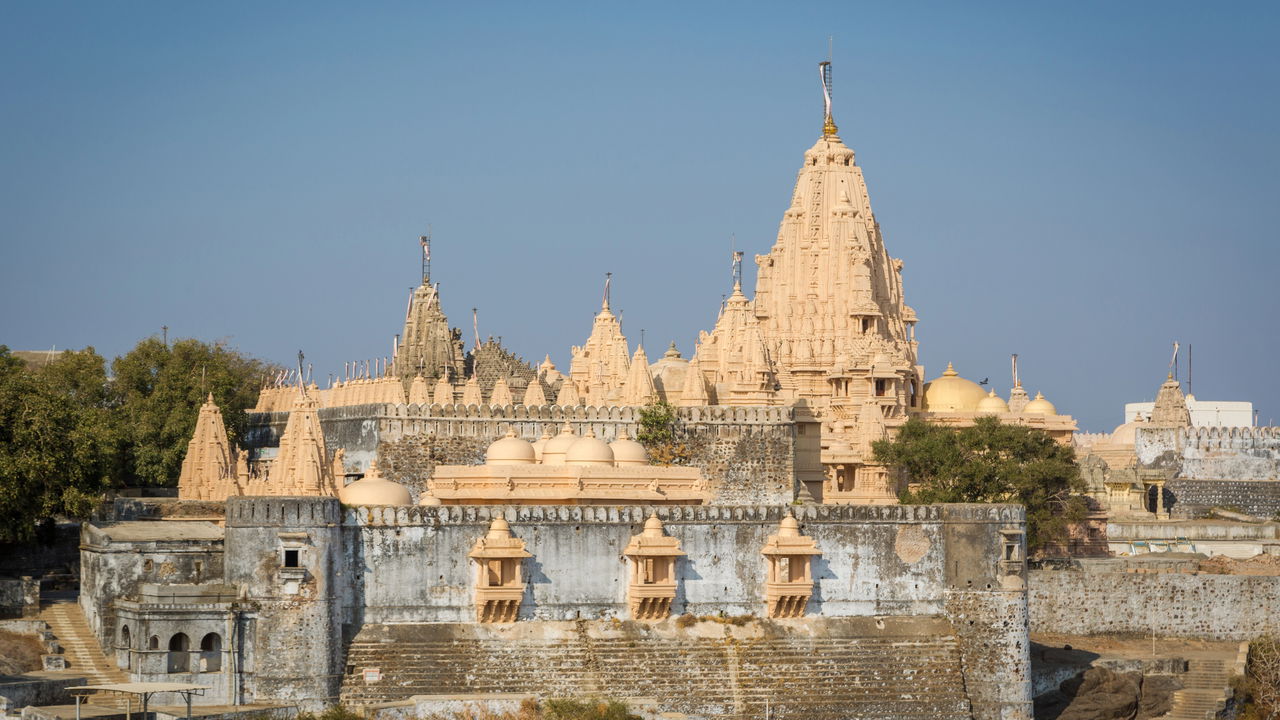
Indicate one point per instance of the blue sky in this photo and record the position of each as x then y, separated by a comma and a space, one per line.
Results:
1078, 183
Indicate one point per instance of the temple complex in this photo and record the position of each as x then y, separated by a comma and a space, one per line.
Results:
453, 522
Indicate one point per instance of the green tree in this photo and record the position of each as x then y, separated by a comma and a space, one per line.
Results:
661, 435
160, 389
59, 449
990, 462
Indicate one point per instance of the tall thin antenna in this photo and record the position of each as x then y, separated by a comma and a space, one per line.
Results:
425, 241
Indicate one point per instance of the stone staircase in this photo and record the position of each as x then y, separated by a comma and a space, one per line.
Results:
1204, 692
79, 645
792, 675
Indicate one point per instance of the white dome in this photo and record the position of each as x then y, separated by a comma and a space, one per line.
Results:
553, 452
510, 450
627, 451
373, 489
589, 450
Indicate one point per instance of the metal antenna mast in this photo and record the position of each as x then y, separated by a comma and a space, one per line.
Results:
425, 241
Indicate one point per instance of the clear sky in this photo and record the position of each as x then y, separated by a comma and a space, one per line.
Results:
1080, 183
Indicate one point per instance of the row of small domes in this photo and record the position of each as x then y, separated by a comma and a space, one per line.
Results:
566, 448
952, 393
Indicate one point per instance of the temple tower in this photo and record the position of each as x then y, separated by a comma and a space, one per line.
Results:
428, 347
600, 365
829, 326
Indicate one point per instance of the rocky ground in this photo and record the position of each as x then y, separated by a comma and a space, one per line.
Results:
1112, 678
19, 653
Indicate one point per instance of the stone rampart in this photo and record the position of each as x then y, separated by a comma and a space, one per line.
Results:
1189, 498
748, 453
816, 669
1105, 599
411, 566
1247, 453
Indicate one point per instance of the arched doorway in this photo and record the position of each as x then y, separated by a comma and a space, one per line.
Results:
179, 653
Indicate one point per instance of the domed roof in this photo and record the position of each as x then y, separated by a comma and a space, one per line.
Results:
952, 393
627, 451
1127, 433
373, 489
510, 450
669, 371
541, 443
429, 500
1040, 406
589, 450
553, 452
992, 404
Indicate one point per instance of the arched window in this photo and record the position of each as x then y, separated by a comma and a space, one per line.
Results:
211, 653
153, 643
124, 636
179, 653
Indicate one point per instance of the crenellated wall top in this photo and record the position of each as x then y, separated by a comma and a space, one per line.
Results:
388, 516
283, 512
1214, 436
710, 414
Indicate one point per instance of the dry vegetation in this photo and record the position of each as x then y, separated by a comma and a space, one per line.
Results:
19, 653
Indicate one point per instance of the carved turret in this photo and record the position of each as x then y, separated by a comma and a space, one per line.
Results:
638, 388
208, 470
599, 367
428, 347
1170, 408
302, 465
499, 583
653, 557
789, 584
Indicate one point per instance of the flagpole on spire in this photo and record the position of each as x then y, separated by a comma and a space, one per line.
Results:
829, 128
608, 278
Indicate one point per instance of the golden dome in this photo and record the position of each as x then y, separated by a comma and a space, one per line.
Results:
589, 450
373, 489
992, 404
627, 451
952, 393
510, 450
1040, 406
553, 452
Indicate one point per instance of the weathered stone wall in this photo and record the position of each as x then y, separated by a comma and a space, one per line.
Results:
815, 668
293, 639
1213, 453
916, 561
1188, 498
748, 453
115, 567
19, 597
1099, 600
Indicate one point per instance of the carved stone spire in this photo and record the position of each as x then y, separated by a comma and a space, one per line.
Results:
639, 389
302, 465
208, 464
600, 364
428, 348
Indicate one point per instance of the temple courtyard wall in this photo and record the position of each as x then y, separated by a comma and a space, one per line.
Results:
748, 453
310, 595
1108, 596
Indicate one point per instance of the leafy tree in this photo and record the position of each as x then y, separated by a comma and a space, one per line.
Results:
59, 449
160, 389
660, 433
990, 462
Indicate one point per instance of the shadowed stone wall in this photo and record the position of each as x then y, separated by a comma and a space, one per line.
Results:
1100, 599
748, 453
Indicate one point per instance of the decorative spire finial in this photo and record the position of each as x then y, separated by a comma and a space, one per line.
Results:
829, 128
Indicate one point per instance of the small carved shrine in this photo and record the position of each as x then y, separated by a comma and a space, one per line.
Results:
499, 585
653, 557
790, 581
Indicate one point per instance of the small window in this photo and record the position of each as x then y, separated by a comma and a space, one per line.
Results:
211, 653
291, 558
199, 567
153, 643
882, 387
124, 636
179, 653
147, 565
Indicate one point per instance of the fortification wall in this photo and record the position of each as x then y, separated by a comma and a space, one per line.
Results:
1194, 498
410, 566
1103, 599
1247, 453
748, 453
815, 668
